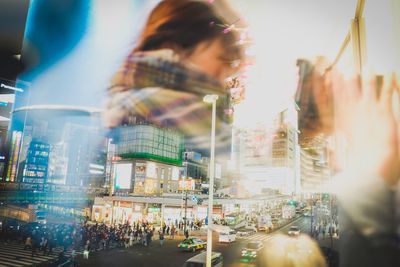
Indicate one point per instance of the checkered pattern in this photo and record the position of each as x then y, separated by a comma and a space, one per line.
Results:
155, 86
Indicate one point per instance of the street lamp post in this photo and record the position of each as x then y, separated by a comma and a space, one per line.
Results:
211, 99
186, 196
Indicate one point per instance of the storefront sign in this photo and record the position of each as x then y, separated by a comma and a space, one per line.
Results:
140, 172
125, 204
153, 209
188, 184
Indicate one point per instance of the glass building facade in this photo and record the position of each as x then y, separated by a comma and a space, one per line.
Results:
150, 142
36, 165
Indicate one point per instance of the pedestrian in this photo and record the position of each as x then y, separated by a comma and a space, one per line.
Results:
173, 230
86, 250
148, 238
28, 243
136, 233
161, 238
45, 245
186, 233
144, 238
61, 257
74, 261
126, 239
131, 239
35, 242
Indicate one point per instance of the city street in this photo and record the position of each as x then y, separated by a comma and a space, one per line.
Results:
243, 130
170, 256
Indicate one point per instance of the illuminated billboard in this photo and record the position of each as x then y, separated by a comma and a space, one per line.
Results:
123, 175
175, 173
151, 170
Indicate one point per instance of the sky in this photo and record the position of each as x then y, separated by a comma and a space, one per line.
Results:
283, 31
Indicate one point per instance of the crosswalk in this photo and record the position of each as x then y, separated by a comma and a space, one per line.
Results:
13, 254
257, 237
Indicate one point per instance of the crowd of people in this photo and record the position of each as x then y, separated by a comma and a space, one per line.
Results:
87, 237
324, 229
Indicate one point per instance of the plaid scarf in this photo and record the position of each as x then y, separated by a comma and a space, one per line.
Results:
156, 87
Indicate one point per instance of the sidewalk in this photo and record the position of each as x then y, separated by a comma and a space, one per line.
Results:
180, 236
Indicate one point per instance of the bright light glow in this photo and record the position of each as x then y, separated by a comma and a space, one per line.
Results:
284, 31
123, 175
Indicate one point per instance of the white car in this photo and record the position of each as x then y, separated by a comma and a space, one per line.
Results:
294, 231
227, 237
245, 233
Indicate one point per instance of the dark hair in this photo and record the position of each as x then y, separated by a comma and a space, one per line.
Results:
183, 24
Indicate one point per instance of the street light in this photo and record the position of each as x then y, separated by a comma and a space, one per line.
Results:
211, 99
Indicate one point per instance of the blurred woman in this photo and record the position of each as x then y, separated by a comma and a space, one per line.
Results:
184, 52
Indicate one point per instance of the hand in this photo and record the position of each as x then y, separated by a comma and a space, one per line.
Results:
367, 119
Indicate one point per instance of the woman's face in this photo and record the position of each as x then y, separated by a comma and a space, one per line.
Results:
210, 58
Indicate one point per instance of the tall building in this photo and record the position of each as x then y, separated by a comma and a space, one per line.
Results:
36, 163
265, 157
9, 89
195, 168
147, 161
74, 141
58, 163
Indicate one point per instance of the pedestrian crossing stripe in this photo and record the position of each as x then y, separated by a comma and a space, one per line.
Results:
15, 248
14, 260
14, 255
257, 237
20, 257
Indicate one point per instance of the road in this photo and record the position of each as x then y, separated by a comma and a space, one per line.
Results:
170, 256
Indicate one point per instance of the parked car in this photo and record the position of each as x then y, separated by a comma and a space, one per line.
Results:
192, 244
